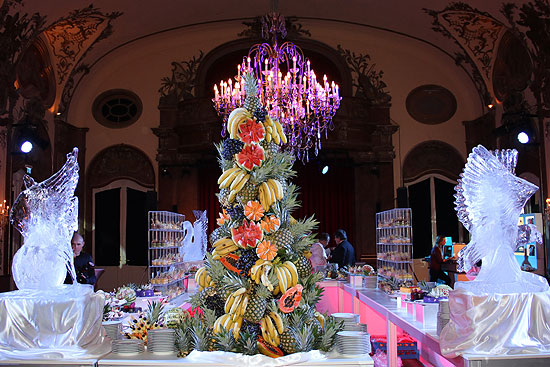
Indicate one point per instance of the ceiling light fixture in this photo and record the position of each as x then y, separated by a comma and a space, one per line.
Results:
288, 89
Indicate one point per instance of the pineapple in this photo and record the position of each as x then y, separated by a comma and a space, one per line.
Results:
312, 292
270, 148
225, 341
325, 341
249, 192
218, 233
305, 338
251, 102
291, 323
248, 344
202, 337
223, 197
303, 266
154, 312
257, 304
282, 238
184, 338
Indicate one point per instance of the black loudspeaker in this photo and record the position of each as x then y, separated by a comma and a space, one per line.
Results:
402, 197
151, 200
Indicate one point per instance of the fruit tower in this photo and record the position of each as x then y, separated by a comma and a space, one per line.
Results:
257, 289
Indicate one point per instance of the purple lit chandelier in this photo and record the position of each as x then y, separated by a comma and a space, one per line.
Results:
288, 89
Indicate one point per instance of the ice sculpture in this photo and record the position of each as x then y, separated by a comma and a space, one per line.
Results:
504, 310
46, 215
194, 242
489, 199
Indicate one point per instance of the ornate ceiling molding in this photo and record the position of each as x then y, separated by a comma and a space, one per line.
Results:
478, 34
69, 39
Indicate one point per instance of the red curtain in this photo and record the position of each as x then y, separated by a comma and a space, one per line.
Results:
328, 197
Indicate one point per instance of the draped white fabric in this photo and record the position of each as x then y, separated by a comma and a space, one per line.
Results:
236, 359
64, 322
497, 324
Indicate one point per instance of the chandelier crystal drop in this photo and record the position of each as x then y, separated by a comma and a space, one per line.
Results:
288, 88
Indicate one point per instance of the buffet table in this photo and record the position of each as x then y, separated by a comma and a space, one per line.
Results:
383, 317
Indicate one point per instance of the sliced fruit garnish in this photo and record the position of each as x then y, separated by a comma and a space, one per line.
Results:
251, 132
266, 250
248, 234
253, 210
270, 223
224, 217
250, 156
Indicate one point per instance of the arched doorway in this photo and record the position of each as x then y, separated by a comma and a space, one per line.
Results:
121, 180
430, 172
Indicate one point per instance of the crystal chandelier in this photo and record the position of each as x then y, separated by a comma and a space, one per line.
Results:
288, 89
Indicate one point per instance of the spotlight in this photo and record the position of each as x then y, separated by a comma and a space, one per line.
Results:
523, 137
490, 105
324, 170
26, 147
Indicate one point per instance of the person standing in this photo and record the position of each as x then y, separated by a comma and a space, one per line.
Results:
343, 254
83, 263
318, 254
436, 259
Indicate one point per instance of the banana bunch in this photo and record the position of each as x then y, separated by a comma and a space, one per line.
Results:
287, 274
203, 279
234, 308
237, 117
222, 247
270, 191
260, 271
272, 326
274, 131
234, 179
225, 321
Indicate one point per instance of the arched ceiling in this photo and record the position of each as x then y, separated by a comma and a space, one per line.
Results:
143, 18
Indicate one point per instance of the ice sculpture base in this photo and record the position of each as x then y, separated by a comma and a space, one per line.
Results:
497, 324
521, 282
63, 322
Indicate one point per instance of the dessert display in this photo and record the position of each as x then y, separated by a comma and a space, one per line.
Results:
394, 245
166, 255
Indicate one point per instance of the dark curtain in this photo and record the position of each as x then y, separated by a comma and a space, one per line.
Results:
420, 203
328, 197
136, 227
447, 221
107, 227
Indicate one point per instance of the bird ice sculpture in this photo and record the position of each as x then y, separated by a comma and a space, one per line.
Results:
46, 214
489, 199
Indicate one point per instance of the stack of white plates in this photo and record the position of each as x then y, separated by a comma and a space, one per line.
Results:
128, 346
350, 319
443, 315
356, 327
352, 343
112, 329
161, 341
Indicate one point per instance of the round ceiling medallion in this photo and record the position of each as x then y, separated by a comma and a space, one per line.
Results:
117, 108
431, 104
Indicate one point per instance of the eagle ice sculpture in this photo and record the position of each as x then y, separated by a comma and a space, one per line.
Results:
46, 215
489, 200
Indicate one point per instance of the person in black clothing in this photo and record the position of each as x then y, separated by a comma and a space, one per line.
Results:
83, 263
436, 259
343, 254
